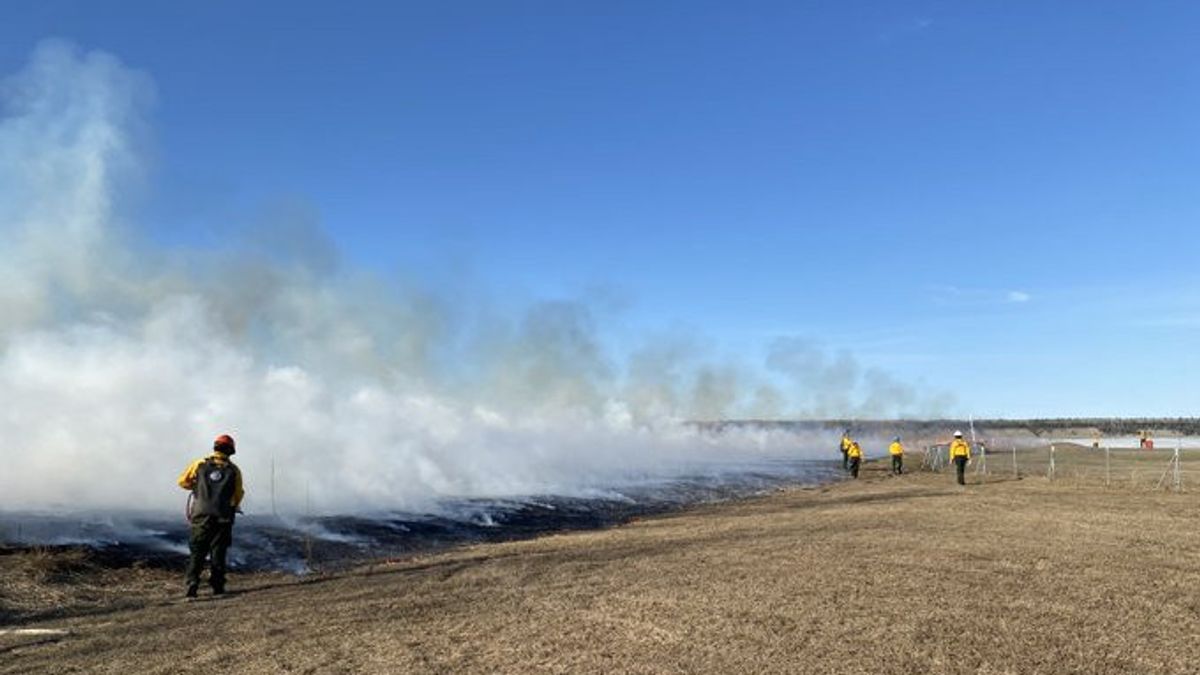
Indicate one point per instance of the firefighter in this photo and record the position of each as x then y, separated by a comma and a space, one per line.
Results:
960, 454
896, 450
844, 446
216, 486
854, 455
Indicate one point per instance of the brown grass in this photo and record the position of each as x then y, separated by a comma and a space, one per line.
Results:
49, 582
882, 575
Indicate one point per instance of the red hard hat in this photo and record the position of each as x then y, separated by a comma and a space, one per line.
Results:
224, 439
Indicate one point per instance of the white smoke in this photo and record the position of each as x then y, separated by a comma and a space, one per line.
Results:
119, 362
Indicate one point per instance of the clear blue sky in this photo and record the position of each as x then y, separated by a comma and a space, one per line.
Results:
995, 198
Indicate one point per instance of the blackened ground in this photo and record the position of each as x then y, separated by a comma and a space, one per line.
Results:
322, 544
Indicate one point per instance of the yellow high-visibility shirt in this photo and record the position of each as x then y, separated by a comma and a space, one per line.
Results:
895, 448
187, 479
855, 451
960, 448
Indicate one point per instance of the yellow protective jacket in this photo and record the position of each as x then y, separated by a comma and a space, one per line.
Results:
895, 448
846, 443
187, 479
960, 448
855, 450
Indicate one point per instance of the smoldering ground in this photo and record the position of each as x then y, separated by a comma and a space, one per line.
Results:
120, 358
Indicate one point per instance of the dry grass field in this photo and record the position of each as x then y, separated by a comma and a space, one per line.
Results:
880, 575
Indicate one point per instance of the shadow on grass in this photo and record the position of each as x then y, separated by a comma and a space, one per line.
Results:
31, 643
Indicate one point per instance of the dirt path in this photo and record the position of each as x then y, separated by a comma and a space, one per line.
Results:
884, 575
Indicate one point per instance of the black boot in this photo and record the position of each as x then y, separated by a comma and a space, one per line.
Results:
191, 591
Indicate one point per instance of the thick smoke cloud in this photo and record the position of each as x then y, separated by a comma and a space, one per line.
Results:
119, 361
826, 386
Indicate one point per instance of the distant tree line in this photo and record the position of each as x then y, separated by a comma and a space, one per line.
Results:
1119, 426
1108, 426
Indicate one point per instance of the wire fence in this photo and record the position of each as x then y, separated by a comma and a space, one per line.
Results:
1174, 469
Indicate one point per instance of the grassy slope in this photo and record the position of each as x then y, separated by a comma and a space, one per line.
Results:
882, 575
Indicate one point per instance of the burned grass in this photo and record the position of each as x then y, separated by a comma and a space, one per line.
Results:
882, 575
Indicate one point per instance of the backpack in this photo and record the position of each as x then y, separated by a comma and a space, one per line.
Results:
215, 483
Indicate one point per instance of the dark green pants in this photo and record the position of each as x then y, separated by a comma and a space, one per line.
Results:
210, 535
855, 462
960, 468
897, 464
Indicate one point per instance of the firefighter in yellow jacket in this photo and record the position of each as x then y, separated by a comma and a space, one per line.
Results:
854, 454
844, 446
896, 450
216, 486
960, 454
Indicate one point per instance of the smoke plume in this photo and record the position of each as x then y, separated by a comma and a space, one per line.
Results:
120, 360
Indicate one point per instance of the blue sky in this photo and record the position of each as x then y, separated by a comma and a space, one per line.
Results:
992, 198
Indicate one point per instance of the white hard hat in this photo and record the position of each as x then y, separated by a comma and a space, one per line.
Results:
958, 434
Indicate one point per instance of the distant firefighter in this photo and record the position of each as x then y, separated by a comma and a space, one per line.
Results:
844, 446
854, 455
896, 450
216, 485
1145, 442
960, 454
